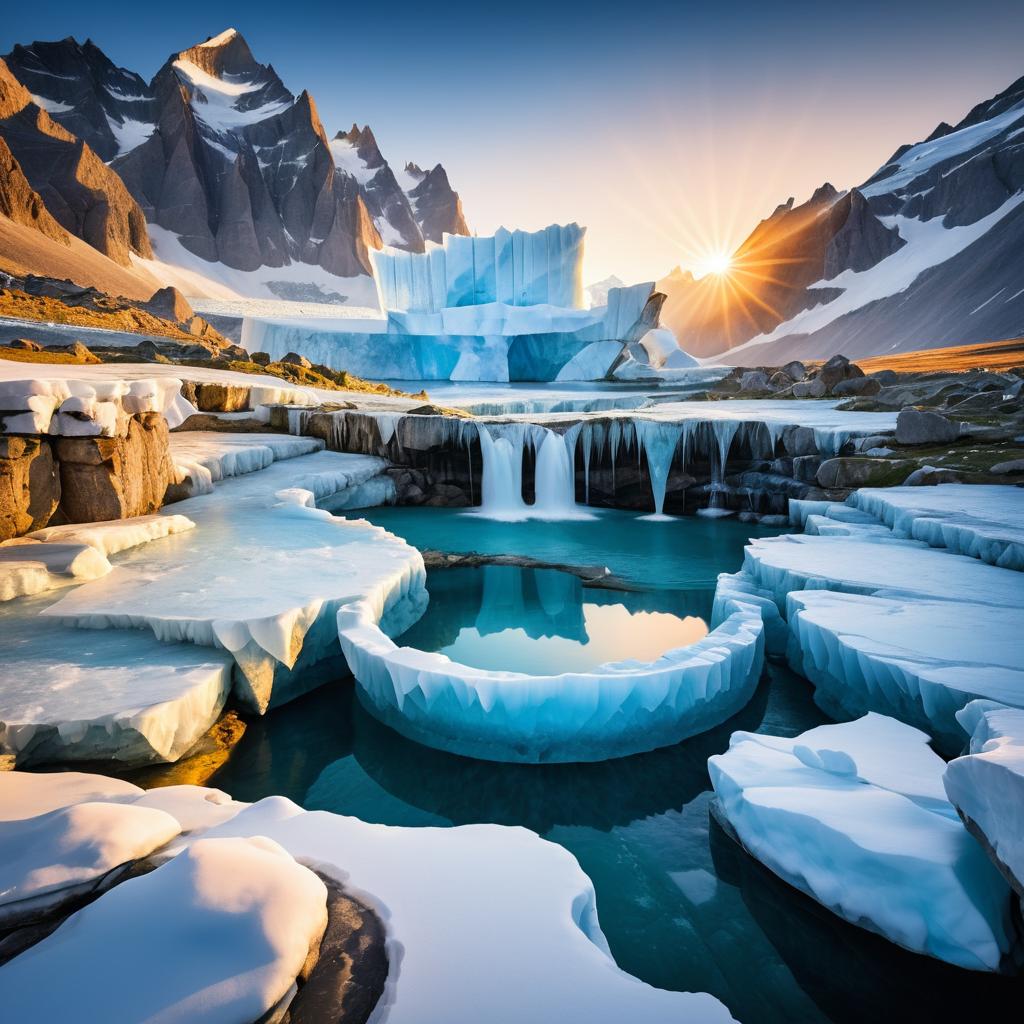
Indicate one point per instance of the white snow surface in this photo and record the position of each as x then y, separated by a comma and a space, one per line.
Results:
215, 100
29, 568
50, 856
987, 785
855, 816
979, 520
258, 578
611, 711
130, 133
118, 535
919, 660
217, 934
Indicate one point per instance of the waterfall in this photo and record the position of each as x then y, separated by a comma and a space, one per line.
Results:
502, 484
723, 433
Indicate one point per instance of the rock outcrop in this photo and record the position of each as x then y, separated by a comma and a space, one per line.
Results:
29, 485
20, 203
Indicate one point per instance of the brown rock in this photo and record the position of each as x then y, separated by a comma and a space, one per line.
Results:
24, 343
169, 304
221, 397
259, 358
29, 485
104, 478
296, 360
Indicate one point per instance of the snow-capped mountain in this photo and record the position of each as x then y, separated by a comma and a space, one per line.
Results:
235, 174
928, 252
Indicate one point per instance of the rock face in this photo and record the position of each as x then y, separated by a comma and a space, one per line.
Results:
81, 193
105, 478
29, 485
218, 151
20, 203
822, 278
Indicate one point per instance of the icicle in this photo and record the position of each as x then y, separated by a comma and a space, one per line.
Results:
659, 441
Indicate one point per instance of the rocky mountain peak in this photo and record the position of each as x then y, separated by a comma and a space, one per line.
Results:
825, 193
225, 54
364, 142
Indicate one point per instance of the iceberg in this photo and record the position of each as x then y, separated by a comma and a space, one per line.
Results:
986, 785
855, 816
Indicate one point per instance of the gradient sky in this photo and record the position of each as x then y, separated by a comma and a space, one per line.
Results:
668, 129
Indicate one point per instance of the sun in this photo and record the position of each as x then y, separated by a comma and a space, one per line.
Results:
716, 263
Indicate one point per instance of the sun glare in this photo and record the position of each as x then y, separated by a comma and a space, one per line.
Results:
717, 263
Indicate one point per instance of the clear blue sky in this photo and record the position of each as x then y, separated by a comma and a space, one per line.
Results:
667, 128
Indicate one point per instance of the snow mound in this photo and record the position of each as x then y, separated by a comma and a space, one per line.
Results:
919, 660
612, 711
62, 853
116, 536
30, 568
987, 785
855, 816
218, 934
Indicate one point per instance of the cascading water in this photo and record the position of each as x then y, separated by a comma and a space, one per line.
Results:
554, 481
723, 433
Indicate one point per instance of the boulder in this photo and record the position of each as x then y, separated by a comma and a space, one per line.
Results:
1009, 467
799, 441
780, 380
104, 478
805, 468
755, 382
29, 485
212, 397
259, 358
169, 304
856, 386
25, 344
815, 388
929, 476
81, 353
916, 426
885, 377
844, 472
296, 360
836, 369
795, 370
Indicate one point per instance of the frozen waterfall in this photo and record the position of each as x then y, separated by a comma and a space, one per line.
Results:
554, 479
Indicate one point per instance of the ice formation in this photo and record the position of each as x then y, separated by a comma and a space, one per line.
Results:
30, 568
517, 268
987, 784
60, 404
259, 578
611, 711
919, 660
237, 920
981, 520
855, 816
118, 696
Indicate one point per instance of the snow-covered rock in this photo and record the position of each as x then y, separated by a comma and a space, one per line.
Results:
855, 816
217, 934
69, 851
115, 536
986, 785
612, 711
27, 794
980, 520
30, 568
260, 579
919, 660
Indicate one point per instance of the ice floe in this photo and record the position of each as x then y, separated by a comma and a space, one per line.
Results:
986, 785
855, 816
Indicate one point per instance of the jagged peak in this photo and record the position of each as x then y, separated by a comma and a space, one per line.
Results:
825, 193
221, 38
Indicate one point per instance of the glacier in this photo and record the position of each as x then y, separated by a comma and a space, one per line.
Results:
986, 785
613, 710
855, 816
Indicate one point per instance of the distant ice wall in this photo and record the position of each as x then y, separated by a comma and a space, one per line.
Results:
518, 268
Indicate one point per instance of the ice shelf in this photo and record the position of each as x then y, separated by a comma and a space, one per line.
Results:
260, 577
919, 660
987, 784
855, 816
612, 711
978, 520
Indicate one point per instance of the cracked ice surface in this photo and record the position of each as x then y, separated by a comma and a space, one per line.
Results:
855, 816
65, 697
919, 660
982, 520
987, 785
612, 711
217, 935
260, 577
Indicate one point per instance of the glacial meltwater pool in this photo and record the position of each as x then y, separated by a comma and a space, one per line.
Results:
682, 906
